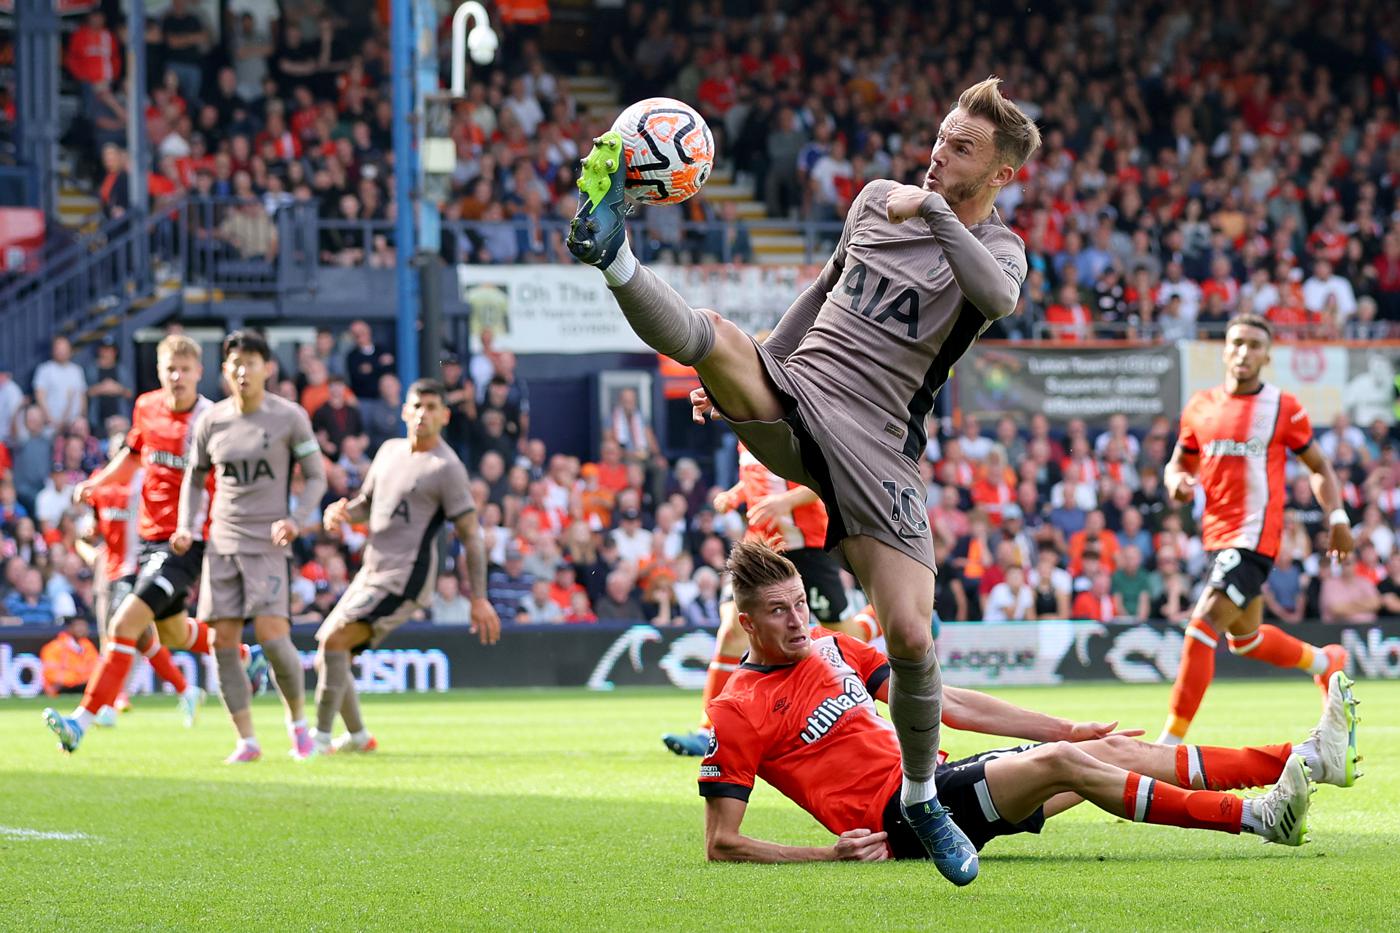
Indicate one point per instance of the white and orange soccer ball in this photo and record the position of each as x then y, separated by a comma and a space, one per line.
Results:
669, 150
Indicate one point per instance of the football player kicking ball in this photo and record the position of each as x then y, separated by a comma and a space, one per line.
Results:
800, 710
1233, 442
835, 398
778, 511
157, 447
413, 486
251, 441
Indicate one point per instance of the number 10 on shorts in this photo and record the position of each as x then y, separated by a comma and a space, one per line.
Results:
906, 506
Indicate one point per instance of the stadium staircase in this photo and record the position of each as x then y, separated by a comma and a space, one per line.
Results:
775, 242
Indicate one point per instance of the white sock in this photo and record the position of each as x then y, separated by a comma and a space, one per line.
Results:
1320, 662
295, 724
1249, 822
1166, 738
251, 743
1309, 753
624, 265
917, 791
361, 737
83, 717
321, 738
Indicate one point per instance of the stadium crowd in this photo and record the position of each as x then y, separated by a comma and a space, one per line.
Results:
1199, 158
1032, 523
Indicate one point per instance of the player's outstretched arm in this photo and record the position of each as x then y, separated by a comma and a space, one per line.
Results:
1327, 489
484, 622
973, 711
1179, 475
724, 842
120, 469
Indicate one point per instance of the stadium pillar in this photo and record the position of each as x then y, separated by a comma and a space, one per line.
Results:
37, 62
401, 42
136, 108
430, 343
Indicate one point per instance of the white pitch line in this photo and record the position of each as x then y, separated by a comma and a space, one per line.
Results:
18, 832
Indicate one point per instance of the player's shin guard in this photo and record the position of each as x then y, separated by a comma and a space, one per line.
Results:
718, 674
332, 680
233, 681
663, 319
1273, 645
1148, 801
1212, 768
161, 661
916, 706
282, 656
350, 709
1192, 678
110, 676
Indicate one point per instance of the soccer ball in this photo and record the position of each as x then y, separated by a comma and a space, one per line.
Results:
669, 150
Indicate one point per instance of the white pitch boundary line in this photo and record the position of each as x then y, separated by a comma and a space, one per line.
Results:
19, 832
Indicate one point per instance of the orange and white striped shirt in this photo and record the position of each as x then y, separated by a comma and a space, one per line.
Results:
1243, 442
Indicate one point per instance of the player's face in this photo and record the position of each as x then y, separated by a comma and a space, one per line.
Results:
777, 623
425, 415
964, 159
246, 373
1246, 352
179, 375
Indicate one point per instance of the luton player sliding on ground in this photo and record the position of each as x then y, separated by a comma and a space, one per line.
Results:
800, 714
836, 397
413, 486
251, 441
1233, 442
158, 447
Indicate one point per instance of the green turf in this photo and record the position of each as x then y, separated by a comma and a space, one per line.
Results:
561, 810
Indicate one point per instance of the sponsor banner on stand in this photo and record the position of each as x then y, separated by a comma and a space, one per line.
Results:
425, 658
1358, 379
569, 309
1065, 382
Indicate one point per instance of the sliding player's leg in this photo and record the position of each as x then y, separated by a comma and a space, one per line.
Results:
1018, 785
901, 590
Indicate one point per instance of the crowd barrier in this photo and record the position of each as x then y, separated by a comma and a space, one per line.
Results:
434, 658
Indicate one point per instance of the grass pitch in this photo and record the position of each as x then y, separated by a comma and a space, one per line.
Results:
536, 810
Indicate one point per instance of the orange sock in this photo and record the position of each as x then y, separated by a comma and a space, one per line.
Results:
1212, 768
721, 666
165, 667
868, 626
1273, 645
1193, 677
110, 676
1149, 801
200, 639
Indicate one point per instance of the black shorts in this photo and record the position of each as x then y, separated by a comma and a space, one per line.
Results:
821, 578
1239, 573
165, 578
962, 788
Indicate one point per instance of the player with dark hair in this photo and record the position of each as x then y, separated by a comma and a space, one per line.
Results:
251, 441
800, 714
1233, 443
413, 486
836, 397
157, 446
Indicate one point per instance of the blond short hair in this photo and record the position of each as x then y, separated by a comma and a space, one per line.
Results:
754, 566
1016, 135
178, 345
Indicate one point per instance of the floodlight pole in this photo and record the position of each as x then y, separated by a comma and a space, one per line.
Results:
401, 41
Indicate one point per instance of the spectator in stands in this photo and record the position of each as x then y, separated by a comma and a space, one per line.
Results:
1324, 290
366, 363
507, 587
618, 602
537, 606
1011, 600
94, 55
1347, 597
28, 602
1134, 588
54, 498
1389, 588
107, 393
337, 419
69, 659
1052, 584
60, 386
186, 41
32, 455
1095, 603
11, 406
1069, 319
1285, 591
380, 413
703, 610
